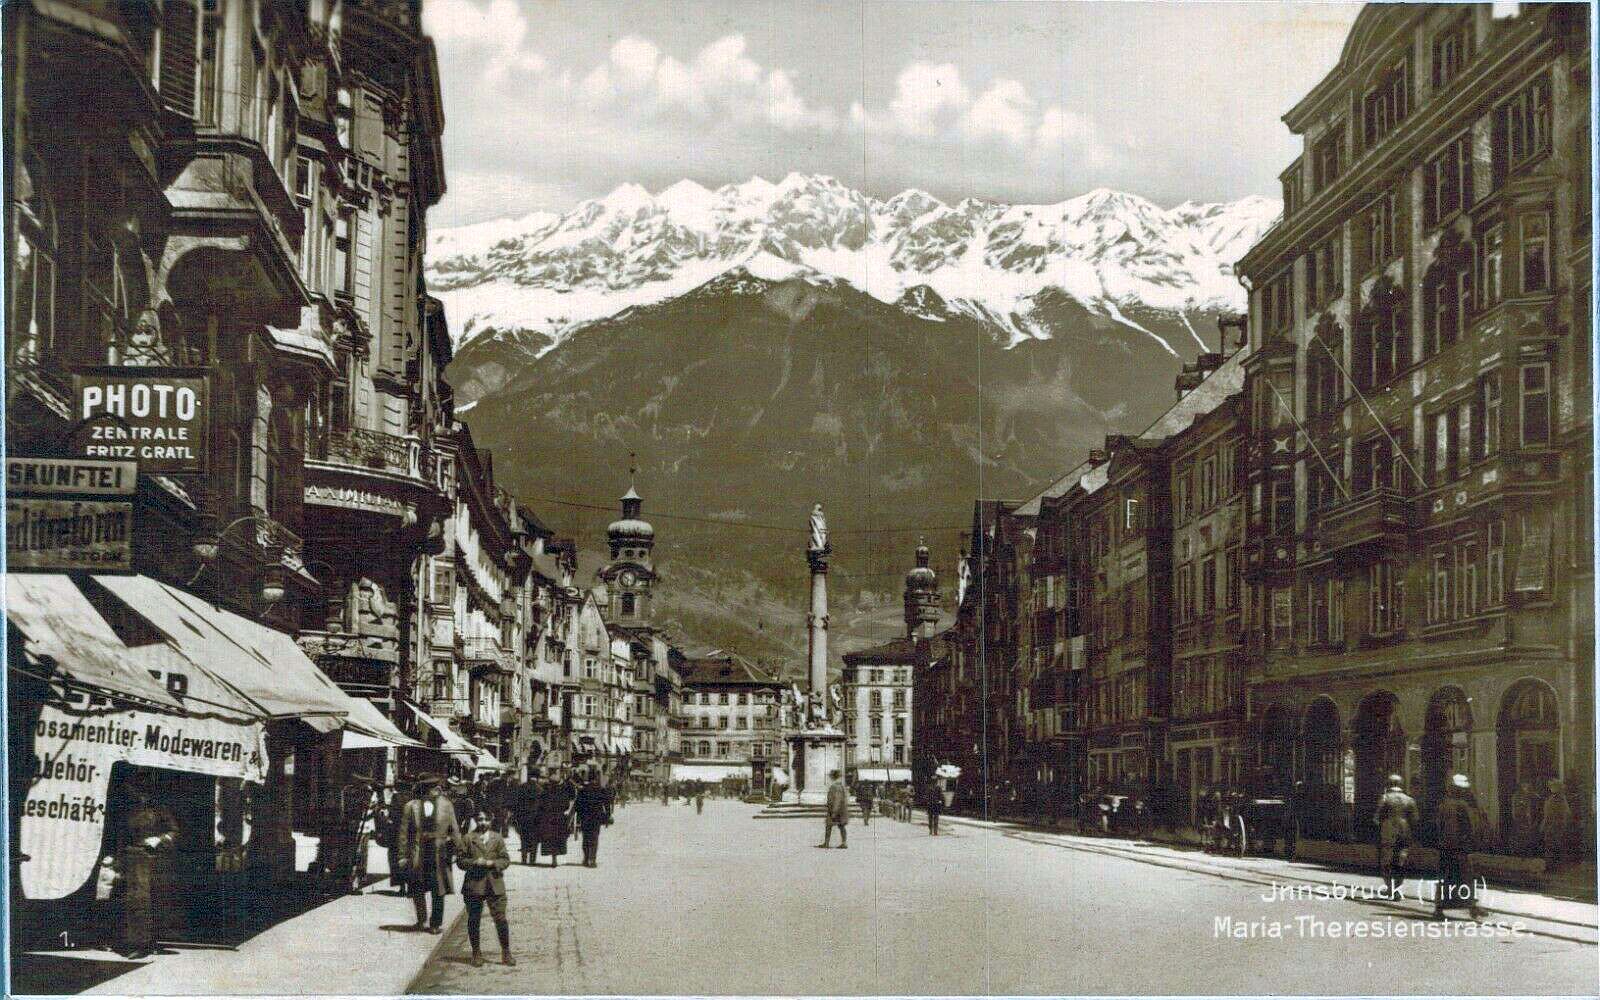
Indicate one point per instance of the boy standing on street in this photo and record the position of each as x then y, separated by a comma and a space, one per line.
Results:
484, 859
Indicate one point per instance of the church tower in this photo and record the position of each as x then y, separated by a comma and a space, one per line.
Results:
630, 574
922, 597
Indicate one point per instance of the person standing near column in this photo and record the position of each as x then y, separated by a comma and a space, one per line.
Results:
1396, 819
484, 860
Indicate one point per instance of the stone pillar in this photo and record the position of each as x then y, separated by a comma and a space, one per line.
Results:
817, 625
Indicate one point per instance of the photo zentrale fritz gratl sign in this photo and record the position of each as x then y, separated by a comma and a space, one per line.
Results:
153, 416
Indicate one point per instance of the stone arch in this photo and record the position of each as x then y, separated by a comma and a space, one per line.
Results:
1527, 740
1320, 797
1275, 736
1446, 744
1380, 745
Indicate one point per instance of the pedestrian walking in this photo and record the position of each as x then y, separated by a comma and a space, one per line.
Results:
1460, 823
935, 805
429, 834
483, 859
151, 834
699, 801
593, 809
1396, 819
838, 812
553, 818
523, 817
864, 800
1554, 825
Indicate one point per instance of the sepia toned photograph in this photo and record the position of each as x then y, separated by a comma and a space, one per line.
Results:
799, 498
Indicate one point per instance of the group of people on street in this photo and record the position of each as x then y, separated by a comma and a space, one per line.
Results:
1460, 831
428, 842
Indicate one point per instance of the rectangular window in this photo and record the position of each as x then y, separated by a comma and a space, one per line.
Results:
1183, 485
1208, 483
1230, 569
1291, 192
1208, 588
1488, 396
1185, 593
1325, 157
1535, 235
1525, 122
208, 68
1131, 515
1490, 262
1439, 590
1494, 590
1535, 404
1467, 580
1439, 447
1381, 224
1336, 612
1386, 599
1385, 105
1282, 505
1448, 181
1452, 50
1225, 472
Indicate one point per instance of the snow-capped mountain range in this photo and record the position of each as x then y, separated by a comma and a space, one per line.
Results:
1117, 255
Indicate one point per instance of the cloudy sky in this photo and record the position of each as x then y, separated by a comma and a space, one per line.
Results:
548, 102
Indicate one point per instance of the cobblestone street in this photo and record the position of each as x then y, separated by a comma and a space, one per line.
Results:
722, 903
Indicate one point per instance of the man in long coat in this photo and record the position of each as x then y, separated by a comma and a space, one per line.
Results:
838, 812
592, 806
1459, 823
1397, 820
553, 819
429, 834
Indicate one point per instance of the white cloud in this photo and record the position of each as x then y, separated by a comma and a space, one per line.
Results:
924, 92
493, 32
1005, 109
635, 61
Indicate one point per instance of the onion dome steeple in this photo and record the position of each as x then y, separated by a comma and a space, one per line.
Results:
921, 596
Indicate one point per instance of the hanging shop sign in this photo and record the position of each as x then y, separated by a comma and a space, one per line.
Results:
154, 416
77, 476
76, 742
44, 533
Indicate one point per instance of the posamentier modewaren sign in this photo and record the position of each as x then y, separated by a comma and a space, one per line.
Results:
153, 416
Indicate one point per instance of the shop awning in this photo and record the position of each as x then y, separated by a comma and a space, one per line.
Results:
885, 774
61, 631
265, 665
355, 739
451, 740
487, 762
370, 721
709, 772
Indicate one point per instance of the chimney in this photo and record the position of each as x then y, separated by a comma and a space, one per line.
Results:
1097, 456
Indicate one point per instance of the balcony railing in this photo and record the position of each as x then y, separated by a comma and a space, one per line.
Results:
482, 652
377, 450
1376, 517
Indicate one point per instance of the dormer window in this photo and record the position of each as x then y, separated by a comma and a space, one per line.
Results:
1385, 105
1326, 157
1452, 50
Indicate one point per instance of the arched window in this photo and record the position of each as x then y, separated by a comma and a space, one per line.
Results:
33, 279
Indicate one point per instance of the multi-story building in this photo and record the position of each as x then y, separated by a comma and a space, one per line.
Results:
731, 711
1418, 546
877, 685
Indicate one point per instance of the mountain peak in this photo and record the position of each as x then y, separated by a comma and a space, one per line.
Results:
1115, 254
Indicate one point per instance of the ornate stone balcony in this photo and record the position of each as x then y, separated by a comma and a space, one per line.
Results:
483, 653
384, 479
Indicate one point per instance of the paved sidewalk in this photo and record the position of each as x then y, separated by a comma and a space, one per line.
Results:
1576, 919
351, 945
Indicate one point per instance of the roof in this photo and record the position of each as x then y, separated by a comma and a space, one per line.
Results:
1055, 489
895, 651
722, 668
1227, 380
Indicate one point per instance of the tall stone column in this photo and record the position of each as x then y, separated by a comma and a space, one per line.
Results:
817, 625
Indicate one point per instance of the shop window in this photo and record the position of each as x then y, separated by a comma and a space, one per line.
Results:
1535, 404
1535, 251
33, 277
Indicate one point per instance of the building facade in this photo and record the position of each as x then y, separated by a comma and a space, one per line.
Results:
732, 716
1419, 478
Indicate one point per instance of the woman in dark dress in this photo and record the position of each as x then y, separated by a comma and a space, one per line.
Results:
523, 817
553, 818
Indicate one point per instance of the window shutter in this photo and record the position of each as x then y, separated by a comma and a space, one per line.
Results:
178, 45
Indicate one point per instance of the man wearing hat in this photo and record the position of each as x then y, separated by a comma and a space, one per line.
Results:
1396, 819
838, 811
1460, 822
429, 834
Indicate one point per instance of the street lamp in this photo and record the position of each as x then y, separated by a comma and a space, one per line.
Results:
208, 546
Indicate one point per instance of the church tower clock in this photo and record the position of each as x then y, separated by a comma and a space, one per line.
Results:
630, 574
